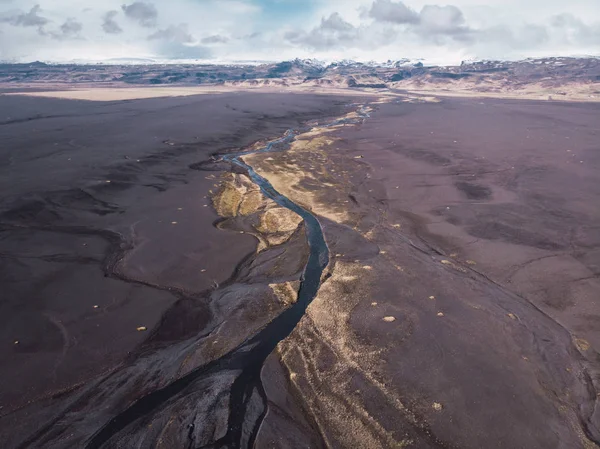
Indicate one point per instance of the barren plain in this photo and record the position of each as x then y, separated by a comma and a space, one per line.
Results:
286, 267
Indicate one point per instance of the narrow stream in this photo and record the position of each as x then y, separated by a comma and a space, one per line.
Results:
249, 357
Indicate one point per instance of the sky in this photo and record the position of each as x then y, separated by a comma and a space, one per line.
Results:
275, 30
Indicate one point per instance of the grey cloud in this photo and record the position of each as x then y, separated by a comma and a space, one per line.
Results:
501, 40
566, 20
333, 31
71, 27
109, 25
432, 18
176, 42
562, 30
216, 39
187, 52
441, 23
444, 19
294, 36
178, 50
575, 31
434, 23
335, 23
144, 13
174, 33
28, 19
534, 35
394, 12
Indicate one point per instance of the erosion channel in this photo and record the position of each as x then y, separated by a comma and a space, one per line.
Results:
247, 359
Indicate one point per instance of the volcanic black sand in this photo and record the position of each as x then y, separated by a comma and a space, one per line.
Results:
458, 308
107, 226
461, 308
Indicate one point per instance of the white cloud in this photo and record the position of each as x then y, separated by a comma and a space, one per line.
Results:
174, 33
244, 29
441, 19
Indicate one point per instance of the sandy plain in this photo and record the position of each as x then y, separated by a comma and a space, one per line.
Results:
107, 228
463, 293
459, 307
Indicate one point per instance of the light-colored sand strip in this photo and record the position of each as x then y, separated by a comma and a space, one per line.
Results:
533, 94
575, 92
136, 93
126, 93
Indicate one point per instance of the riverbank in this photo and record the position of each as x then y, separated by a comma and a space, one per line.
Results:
112, 265
459, 305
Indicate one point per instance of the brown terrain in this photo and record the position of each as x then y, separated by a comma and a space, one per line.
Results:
462, 304
562, 79
146, 275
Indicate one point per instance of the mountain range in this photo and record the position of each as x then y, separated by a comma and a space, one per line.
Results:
555, 76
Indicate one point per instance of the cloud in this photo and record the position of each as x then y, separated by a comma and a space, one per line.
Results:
176, 42
335, 23
574, 31
28, 19
434, 24
437, 25
173, 49
71, 27
174, 33
285, 29
441, 19
394, 12
109, 25
143, 13
431, 20
215, 39
333, 31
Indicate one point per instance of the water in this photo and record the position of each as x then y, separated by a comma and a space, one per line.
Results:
249, 357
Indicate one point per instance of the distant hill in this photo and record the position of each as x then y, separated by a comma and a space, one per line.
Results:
475, 76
